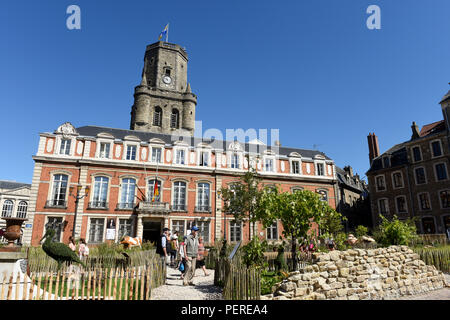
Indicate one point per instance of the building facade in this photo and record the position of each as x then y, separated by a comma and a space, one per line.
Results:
411, 179
14, 201
121, 168
353, 196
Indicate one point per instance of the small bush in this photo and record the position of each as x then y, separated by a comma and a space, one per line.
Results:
254, 252
395, 232
361, 231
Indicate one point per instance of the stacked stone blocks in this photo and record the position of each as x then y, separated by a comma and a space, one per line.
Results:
374, 274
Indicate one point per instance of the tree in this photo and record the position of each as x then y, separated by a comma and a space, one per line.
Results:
396, 232
243, 197
297, 212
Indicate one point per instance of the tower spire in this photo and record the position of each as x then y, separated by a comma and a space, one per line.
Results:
144, 76
188, 89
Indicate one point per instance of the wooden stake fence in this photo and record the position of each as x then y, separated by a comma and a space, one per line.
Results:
132, 283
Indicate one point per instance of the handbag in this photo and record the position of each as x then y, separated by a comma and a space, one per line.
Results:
181, 267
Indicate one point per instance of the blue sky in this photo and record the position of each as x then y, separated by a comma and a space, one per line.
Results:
311, 69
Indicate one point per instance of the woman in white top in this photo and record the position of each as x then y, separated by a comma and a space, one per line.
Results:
182, 255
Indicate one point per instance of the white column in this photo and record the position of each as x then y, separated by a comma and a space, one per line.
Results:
218, 220
27, 233
80, 213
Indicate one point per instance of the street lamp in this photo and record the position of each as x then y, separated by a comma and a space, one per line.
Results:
77, 197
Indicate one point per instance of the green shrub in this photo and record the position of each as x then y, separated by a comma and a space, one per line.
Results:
395, 232
361, 231
268, 280
254, 252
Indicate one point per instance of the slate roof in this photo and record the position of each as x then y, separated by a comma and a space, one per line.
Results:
447, 96
93, 131
341, 173
398, 152
4, 184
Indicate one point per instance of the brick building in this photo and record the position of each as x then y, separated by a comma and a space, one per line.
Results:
411, 179
120, 168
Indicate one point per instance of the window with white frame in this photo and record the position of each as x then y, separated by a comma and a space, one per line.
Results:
323, 195
295, 167
7, 209
441, 171
96, 230
178, 225
55, 223
59, 190
272, 232
126, 228
127, 193
104, 150
204, 159
424, 201
180, 156
156, 154
65, 147
397, 179
383, 206
203, 229
100, 195
268, 164
380, 183
417, 154
22, 209
235, 231
179, 196
320, 169
436, 148
203, 204
420, 175
444, 197
234, 163
131, 152
151, 190
401, 204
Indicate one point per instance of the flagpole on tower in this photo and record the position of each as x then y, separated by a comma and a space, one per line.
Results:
167, 33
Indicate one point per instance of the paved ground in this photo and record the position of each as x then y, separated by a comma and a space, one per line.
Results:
204, 288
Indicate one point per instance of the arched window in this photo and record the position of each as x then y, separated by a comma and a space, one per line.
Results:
323, 195
203, 197
59, 190
100, 197
175, 119
22, 209
7, 210
152, 196
157, 116
127, 193
179, 196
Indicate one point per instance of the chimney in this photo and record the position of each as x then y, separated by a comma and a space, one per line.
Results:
374, 149
349, 170
415, 131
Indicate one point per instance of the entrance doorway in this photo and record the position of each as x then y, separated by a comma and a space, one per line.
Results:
428, 225
152, 230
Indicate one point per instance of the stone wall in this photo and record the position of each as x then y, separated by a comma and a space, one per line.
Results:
383, 273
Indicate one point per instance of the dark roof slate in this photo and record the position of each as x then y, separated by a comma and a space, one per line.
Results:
4, 184
93, 131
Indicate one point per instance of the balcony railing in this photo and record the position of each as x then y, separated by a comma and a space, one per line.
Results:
125, 206
98, 205
154, 206
202, 208
56, 203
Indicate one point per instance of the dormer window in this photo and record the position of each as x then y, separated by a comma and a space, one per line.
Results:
386, 162
179, 156
235, 161
131, 153
268, 165
65, 147
156, 154
320, 169
104, 150
204, 159
295, 167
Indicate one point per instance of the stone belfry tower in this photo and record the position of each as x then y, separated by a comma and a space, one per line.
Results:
163, 102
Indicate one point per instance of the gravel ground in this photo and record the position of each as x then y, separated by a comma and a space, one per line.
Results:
204, 288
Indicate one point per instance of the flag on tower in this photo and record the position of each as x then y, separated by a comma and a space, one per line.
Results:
155, 191
164, 33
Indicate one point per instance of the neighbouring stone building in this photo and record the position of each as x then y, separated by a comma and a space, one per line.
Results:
14, 201
411, 179
353, 197
374, 274
120, 168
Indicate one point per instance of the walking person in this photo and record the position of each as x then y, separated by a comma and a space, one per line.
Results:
161, 246
72, 244
191, 249
201, 256
83, 250
182, 255
174, 247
